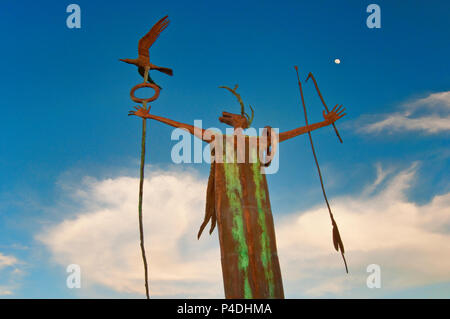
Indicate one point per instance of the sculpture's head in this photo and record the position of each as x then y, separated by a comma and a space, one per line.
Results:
234, 120
242, 120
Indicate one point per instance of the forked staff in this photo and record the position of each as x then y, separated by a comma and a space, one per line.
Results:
337, 241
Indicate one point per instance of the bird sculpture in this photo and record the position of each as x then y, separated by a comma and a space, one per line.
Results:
143, 60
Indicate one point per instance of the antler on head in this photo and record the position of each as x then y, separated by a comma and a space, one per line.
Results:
238, 96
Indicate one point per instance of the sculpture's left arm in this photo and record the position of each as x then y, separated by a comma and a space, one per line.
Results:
329, 118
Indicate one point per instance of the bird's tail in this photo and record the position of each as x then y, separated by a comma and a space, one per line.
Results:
149, 79
164, 70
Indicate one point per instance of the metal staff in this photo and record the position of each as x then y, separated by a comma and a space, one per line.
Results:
141, 170
337, 241
144, 66
310, 75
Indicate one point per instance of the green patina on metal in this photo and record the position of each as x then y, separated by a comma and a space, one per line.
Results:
266, 253
234, 194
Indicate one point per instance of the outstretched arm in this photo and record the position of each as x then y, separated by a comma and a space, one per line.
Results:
329, 118
196, 131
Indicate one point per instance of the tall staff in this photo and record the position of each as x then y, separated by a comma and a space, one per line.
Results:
337, 241
144, 66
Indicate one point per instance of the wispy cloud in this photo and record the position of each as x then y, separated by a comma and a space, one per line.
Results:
8, 273
430, 115
5, 291
6, 261
432, 101
381, 226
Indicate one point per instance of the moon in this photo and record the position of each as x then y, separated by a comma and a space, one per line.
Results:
337, 61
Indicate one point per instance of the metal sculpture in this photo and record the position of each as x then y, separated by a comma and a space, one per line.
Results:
237, 197
143, 60
337, 241
144, 66
237, 201
238, 96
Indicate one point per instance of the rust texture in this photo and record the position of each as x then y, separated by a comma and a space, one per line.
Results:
143, 60
238, 203
243, 113
143, 85
248, 248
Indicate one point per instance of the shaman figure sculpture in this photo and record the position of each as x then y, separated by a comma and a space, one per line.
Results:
237, 198
237, 201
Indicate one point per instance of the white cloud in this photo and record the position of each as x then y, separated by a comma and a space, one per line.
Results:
382, 174
411, 243
412, 117
8, 272
6, 261
402, 122
434, 100
4, 291
103, 238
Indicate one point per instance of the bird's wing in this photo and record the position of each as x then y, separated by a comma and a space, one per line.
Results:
147, 40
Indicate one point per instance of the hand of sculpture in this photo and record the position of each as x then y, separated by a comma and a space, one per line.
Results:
335, 114
141, 112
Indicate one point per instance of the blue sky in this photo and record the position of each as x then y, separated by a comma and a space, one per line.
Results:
65, 99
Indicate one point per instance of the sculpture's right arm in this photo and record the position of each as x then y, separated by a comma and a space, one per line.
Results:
196, 131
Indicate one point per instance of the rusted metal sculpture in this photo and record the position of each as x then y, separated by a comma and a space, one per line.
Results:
143, 60
144, 66
238, 202
237, 198
337, 241
233, 91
